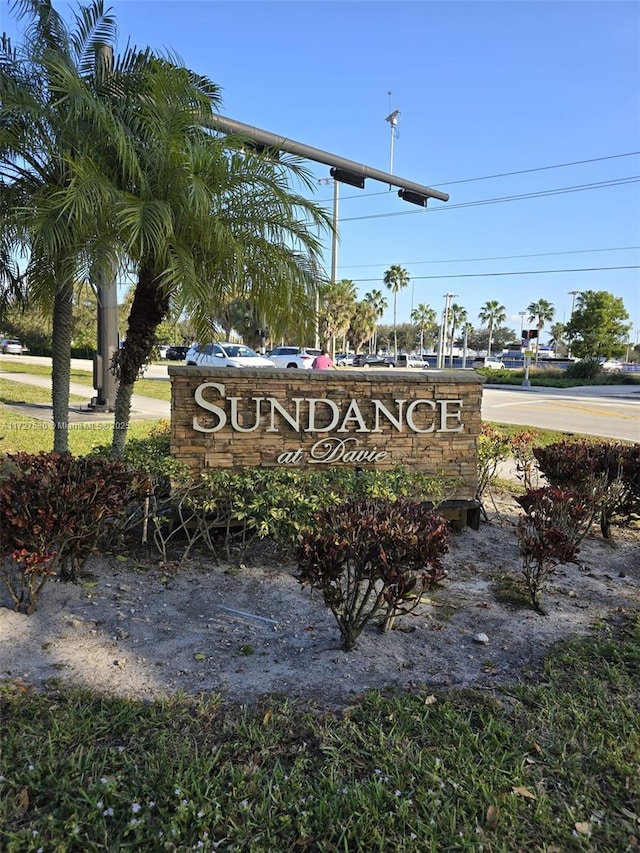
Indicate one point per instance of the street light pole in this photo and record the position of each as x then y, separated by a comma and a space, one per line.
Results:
443, 328
334, 248
522, 314
572, 294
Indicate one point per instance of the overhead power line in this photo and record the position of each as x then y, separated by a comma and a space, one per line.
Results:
511, 174
632, 179
516, 272
495, 257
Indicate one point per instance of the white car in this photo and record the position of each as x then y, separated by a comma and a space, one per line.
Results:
225, 355
293, 356
490, 361
404, 360
12, 346
611, 365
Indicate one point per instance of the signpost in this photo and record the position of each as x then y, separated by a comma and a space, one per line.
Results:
528, 355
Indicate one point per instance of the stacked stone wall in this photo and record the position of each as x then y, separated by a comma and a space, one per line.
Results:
236, 418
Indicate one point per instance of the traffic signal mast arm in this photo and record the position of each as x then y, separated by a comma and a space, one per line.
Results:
341, 169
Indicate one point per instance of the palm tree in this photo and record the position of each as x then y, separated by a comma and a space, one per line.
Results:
492, 313
396, 278
423, 317
363, 323
118, 167
542, 312
52, 189
338, 302
380, 305
558, 339
457, 317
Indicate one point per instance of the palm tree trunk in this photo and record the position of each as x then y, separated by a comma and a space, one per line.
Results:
121, 416
149, 308
61, 365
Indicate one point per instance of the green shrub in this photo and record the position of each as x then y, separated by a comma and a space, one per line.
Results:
586, 368
278, 502
494, 446
56, 510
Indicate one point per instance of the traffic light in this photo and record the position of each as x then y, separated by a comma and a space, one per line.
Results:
347, 177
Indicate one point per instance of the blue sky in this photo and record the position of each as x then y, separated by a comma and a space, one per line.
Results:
483, 88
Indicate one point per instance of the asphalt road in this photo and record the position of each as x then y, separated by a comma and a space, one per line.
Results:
608, 411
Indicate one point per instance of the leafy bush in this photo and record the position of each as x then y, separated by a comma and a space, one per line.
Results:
277, 503
373, 557
555, 522
586, 368
493, 448
608, 472
56, 510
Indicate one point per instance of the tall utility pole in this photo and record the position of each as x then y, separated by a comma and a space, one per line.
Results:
443, 328
334, 246
572, 294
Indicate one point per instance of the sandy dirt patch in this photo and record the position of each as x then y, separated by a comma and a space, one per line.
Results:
144, 629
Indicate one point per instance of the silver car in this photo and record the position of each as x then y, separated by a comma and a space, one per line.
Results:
12, 346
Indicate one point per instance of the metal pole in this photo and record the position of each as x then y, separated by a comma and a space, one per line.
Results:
104, 281
104, 381
443, 329
272, 140
572, 294
334, 249
334, 239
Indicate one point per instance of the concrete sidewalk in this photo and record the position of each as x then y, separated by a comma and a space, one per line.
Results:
142, 408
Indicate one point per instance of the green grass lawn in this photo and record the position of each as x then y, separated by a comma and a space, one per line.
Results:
550, 765
32, 435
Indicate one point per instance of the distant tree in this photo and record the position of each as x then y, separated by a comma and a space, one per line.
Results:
363, 324
478, 339
457, 317
396, 278
32, 327
380, 305
597, 328
557, 340
384, 338
337, 304
407, 337
424, 317
542, 312
492, 314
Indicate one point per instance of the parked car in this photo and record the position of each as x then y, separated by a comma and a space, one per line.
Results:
404, 360
293, 356
370, 360
611, 365
176, 353
225, 355
344, 359
12, 346
490, 361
